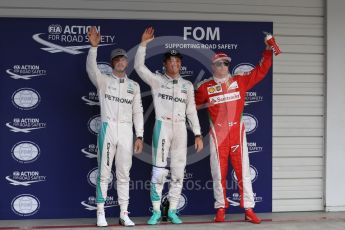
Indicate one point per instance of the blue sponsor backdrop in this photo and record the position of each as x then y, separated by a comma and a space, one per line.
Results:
49, 113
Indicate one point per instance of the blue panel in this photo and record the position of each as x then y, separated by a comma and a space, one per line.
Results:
50, 115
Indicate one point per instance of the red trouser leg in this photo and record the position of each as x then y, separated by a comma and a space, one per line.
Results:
236, 161
224, 166
240, 162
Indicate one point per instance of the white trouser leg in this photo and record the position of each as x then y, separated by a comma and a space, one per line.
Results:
123, 164
106, 152
160, 150
216, 173
157, 184
248, 195
178, 163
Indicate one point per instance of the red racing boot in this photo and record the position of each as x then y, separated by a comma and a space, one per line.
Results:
251, 216
220, 215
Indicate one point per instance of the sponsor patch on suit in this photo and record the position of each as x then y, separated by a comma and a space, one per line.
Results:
214, 89
233, 85
225, 98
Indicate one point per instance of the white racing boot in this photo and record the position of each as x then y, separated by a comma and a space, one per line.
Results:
124, 220
101, 221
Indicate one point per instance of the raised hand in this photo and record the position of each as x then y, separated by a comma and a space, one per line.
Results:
268, 47
147, 36
94, 36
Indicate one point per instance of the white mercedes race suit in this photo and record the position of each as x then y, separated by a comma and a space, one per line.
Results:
121, 106
174, 105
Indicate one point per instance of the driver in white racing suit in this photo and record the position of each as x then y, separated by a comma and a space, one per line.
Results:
174, 104
120, 102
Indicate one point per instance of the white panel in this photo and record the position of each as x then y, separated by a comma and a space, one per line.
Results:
311, 45
299, 132
298, 88
291, 184
289, 30
335, 136
297, 172
304, 122
73, 13
298, 105
294, 3
297, 188
291, 3
299, 3
297, 162
316, 41
297, 205
170, 7
292, 77
299, 63
289, 126
304, 48
297, 167
300, 59
305, 192
297, 147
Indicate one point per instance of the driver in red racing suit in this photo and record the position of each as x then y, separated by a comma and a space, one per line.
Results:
224, 97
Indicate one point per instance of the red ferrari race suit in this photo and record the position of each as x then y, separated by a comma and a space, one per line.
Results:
225, 102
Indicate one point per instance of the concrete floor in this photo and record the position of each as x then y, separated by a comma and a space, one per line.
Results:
277, 221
